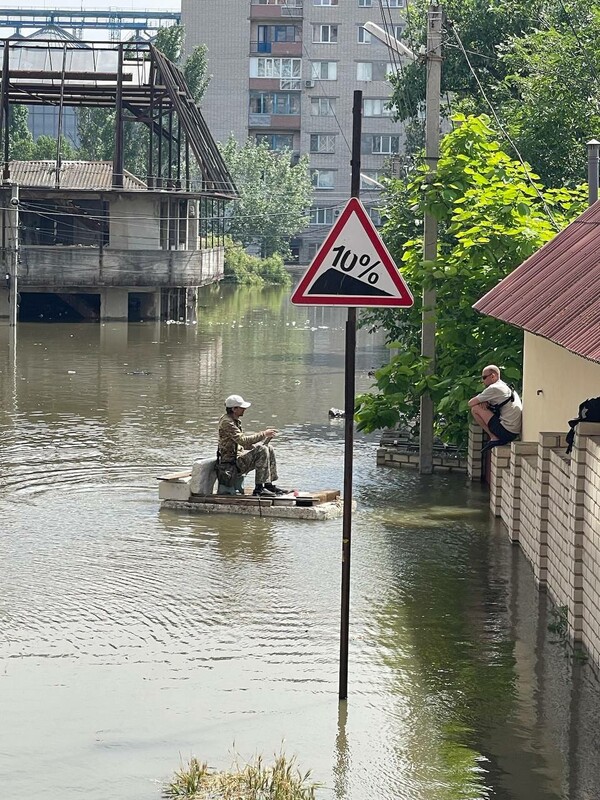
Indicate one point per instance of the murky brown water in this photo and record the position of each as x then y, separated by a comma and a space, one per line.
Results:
132, 637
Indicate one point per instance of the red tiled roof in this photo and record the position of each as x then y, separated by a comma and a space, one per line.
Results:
555, 293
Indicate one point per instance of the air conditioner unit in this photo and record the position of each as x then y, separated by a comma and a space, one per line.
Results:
309, 84
336, 212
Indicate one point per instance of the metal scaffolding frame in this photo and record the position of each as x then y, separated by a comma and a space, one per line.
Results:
142, 85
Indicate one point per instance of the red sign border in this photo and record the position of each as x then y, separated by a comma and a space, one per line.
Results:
405, 300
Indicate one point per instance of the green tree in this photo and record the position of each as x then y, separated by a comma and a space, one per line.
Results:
20, 138
274, 195
538, 64
493, 213
483, 26
96, 129
45, 147
195, 67
549, 97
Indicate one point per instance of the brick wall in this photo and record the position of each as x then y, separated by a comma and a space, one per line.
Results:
590, 573
550, 504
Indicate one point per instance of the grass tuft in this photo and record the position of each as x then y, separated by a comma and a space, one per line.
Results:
255, 781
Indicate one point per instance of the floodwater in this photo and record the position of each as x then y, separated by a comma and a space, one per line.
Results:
132, 638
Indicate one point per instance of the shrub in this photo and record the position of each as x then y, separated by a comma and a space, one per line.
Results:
241, 267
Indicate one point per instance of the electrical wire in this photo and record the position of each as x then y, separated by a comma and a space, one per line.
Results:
503, 129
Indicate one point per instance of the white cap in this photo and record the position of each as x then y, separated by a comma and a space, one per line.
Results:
235, 400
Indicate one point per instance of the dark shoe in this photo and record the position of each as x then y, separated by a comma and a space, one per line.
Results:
491, 444
262, 491
276, 489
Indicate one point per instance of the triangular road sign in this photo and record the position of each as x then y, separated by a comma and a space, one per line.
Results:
352, 267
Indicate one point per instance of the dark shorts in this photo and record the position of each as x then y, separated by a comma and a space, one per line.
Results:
498, 429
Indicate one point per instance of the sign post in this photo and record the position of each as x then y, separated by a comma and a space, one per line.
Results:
352, 268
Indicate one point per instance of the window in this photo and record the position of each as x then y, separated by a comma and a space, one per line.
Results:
325, 34
274, 103
276, 141
375, 216
322, 143
376, 107
321, 216
392, 3
364, 71
365, 3
313, 249
373, 70
284, 33
323, 178
322, 106
324, 70
385, 144
275, 67
397, 31
369, 180
325, 2
364, 37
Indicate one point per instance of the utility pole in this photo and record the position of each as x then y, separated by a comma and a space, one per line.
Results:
433, 64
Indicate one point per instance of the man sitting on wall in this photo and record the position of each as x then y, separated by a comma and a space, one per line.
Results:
497, 409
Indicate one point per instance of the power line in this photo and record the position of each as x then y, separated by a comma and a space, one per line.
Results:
503, 129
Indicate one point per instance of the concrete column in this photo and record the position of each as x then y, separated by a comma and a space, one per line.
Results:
511, 496
500, 462
577, 480
114, 305
474, 452
547, 441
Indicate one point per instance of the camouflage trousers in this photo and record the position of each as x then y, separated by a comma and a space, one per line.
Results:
262, 459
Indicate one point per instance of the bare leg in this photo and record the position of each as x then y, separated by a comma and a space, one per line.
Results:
482, 416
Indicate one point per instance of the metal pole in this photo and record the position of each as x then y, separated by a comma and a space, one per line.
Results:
593, 147
12, 255
432, 151
349, 402
118, 157
5, 110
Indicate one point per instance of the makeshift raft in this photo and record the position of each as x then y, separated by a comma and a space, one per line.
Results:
194, 490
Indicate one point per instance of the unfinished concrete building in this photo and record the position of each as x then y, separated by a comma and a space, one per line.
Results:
92, 238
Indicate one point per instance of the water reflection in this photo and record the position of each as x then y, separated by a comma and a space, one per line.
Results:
130, 635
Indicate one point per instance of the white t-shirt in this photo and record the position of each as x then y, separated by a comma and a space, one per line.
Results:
511, 413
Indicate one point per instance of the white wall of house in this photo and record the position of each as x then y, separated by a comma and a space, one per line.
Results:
555, 382
134, 223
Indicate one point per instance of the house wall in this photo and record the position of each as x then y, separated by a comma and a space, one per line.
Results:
134, 223
565, 380
550, 505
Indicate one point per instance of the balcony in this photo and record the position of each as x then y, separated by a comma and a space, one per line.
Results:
276, 48
277, 9
280, 121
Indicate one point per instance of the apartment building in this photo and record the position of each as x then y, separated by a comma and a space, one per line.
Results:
284, 71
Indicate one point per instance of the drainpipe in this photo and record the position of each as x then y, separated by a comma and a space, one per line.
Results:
593, 147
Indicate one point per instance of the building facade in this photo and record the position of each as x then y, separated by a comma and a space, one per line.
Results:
284, 72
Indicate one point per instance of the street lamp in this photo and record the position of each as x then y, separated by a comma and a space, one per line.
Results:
433, 62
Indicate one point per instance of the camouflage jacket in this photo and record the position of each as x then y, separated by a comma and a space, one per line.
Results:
232, 441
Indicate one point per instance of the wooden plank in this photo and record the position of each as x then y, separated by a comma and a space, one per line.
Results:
175, 476
230, 500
